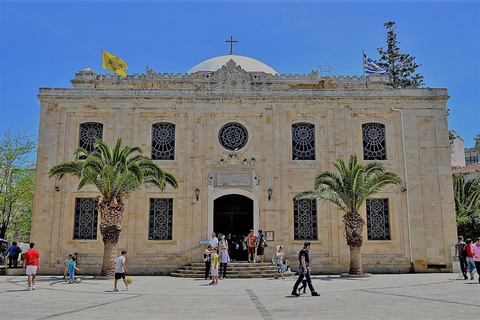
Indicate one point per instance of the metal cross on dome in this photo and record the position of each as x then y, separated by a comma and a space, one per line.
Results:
231, 44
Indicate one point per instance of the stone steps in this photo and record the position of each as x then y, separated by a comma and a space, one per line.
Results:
234, 270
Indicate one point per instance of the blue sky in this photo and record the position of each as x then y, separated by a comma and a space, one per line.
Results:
43, 44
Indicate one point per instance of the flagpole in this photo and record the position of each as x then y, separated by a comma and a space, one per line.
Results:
363, 66
101, 68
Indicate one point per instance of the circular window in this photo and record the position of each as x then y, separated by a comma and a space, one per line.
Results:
233, 136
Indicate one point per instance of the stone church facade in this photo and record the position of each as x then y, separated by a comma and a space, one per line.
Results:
242, 142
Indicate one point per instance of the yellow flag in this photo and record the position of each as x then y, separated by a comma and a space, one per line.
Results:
113, 63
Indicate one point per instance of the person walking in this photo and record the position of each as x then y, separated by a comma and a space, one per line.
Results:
460, 254
12, 253
224, 262
31, 264
304, 270
469, 259
252, 241
120, 270
476, 255
207, 257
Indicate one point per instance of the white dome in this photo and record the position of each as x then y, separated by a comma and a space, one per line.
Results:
246, 63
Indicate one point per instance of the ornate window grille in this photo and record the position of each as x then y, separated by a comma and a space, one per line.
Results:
374, 142
305, 219
86, 219
303, 141
163, 141
161, 219
378, 219
90, 131
233, 136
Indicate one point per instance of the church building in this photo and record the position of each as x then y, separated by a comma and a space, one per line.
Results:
242, 141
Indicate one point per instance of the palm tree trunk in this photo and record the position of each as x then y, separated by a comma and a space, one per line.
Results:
110, 228
354, 233
355, 260
109, 256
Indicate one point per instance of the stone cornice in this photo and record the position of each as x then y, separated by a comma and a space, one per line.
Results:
307, 94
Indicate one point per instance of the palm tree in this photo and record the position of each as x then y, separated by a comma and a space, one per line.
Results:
116, 173
467, 204
349, 190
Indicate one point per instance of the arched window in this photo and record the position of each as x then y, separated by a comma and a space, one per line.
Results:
374, 141
89, 131
303, 141
305, 220
163, 141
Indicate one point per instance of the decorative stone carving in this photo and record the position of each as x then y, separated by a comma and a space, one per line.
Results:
231, 172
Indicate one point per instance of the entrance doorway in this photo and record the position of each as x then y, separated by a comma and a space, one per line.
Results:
233, 215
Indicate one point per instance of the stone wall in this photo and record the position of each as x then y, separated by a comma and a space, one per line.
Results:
267, 108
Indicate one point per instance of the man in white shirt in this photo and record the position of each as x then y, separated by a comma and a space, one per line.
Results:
214, 241
120, 269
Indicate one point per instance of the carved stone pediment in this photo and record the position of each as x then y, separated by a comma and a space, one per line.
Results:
232, 77
233, 173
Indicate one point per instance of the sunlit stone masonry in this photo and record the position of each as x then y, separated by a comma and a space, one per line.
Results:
243, 140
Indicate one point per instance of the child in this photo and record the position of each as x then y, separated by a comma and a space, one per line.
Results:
120, 270
67, 265
225, 260
71, 270
214, 267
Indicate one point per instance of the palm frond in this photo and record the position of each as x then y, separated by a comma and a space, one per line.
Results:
116, 172
352, 185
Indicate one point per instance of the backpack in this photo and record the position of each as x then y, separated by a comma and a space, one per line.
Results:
263, 242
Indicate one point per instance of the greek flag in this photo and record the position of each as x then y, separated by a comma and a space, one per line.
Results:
371, 67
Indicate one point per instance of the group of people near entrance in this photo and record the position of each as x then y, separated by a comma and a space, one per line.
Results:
219, 253
216, 256
468, 254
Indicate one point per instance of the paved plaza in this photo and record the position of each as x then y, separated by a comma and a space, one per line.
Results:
406, 296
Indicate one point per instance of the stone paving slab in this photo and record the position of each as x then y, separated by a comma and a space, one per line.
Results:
406, 296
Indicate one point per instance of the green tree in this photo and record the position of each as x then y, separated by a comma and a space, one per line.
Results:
400, 66
16, 182
354, 184
467, 205
116, 173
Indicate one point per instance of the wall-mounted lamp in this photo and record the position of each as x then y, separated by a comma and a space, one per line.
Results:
197, 193
57, 189
270, 191
404, 189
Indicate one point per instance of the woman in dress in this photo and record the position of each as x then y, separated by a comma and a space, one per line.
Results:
279, 261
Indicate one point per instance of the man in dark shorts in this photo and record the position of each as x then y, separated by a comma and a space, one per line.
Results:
120, 270
261, 244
